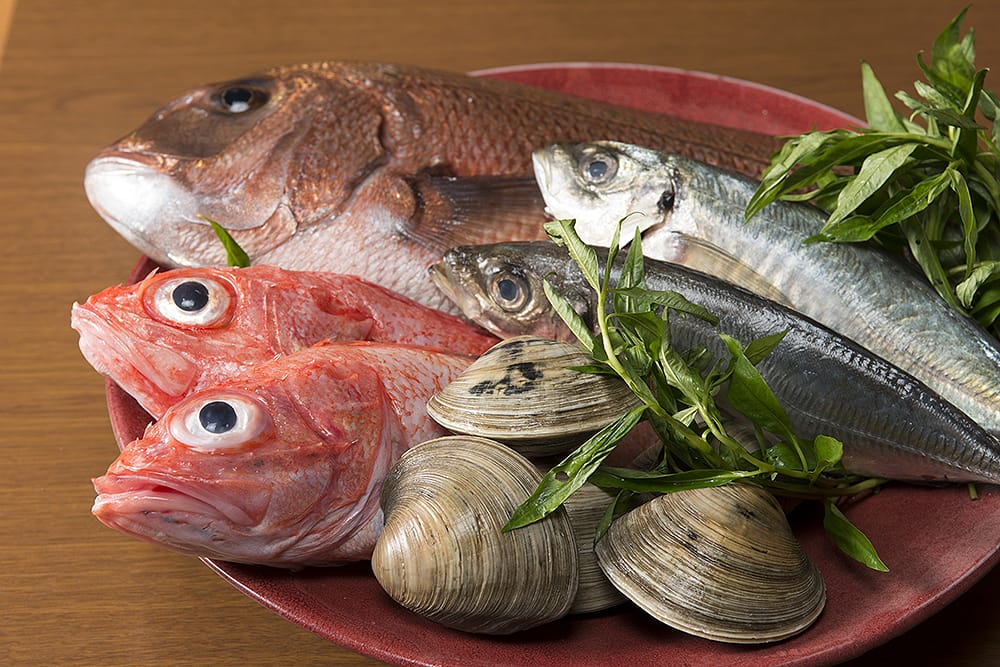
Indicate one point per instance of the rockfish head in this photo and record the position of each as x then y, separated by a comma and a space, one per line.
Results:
263, 156
500, 287
282, 467
602, 183
178, 331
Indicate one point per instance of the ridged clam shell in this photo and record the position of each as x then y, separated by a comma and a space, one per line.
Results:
524, 393
442, 553
720, 563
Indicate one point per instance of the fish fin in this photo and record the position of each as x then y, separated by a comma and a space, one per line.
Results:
702, 256
467, 210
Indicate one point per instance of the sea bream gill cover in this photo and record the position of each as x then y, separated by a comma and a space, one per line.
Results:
361, 168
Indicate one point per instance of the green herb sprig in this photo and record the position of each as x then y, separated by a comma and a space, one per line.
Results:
235, 255
925, 185
677, 390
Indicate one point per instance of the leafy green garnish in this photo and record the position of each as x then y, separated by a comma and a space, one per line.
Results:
925, 185
677, 390
235, 255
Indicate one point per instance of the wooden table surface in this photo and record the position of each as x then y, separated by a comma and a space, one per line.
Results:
75, 76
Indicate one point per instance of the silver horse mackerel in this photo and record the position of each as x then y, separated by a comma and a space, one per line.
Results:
891, 424
690, 213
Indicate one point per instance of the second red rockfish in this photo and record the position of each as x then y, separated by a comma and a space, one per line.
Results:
281, 466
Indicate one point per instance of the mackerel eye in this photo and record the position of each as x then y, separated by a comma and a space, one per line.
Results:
240, 99
193, 301
510, 291
598, 168
223, 422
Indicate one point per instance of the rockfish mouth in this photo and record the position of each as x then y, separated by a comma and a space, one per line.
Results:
165, 511
157, 374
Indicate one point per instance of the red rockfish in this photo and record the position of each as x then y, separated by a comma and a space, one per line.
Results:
368, 169
281, 466
180, 331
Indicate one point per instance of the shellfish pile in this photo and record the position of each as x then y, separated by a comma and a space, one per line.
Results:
719, 563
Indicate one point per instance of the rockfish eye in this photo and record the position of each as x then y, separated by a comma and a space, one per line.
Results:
238, 99
510, 291
202, 301
598, 168
221, 422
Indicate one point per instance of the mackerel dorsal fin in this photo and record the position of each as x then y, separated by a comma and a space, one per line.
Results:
452, 211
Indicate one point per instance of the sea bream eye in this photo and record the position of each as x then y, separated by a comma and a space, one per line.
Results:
510, 291
222, 422
239, 99
201, 301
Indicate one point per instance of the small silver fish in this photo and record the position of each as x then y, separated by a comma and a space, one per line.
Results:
891, 424
690, 213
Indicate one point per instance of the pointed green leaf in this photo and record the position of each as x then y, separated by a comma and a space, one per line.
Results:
849, 539
235, 255
875, 171
750, 395
878, 109
572, 472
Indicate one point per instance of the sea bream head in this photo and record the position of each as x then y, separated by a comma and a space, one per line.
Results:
178, 331
282, 466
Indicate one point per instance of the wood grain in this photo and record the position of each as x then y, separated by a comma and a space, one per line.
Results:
75, 76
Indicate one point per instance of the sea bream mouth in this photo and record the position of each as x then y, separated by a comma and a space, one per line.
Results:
135, 196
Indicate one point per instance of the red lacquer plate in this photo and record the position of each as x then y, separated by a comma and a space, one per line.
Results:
936, 541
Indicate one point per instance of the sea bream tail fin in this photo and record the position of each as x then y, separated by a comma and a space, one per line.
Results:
469, 210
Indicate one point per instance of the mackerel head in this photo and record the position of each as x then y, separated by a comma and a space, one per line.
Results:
361, 168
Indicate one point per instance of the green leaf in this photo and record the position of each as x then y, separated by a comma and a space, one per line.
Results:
878, 109
757, 350
572, 472
235, 255
967, 215
875, 171
773, 180
828, 450
849, 539
585, 257
750, 395
669, 299
966, 290
569, 315
641, 481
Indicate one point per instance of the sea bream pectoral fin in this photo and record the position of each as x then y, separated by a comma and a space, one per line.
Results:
450, 211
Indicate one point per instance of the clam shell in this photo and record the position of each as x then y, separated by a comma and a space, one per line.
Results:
720, 563
442, 553
524, 393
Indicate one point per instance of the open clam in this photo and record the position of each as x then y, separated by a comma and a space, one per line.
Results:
525, 393
720, 563
442, 553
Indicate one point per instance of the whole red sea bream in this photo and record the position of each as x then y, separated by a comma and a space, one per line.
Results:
362, 168
179, 331
283, 465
